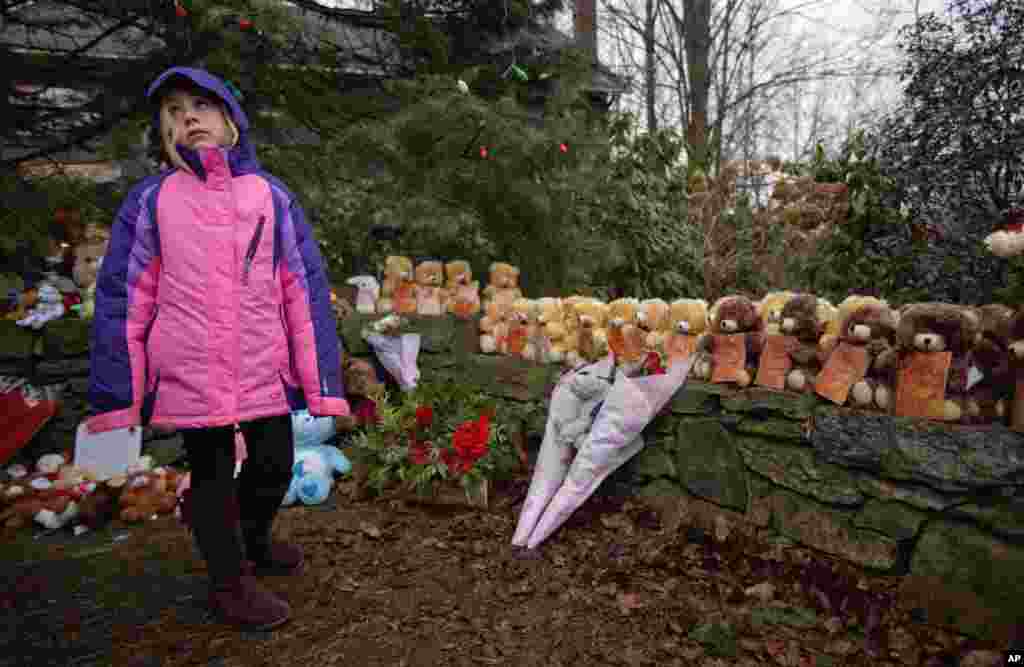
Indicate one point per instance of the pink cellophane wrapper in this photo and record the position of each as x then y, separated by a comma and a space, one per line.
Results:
614, 439
398, 354
554, 458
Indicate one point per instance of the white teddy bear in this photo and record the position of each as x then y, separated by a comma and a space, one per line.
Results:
49, 307
368, 294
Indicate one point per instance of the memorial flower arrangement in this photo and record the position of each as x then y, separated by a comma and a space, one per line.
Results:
437, 433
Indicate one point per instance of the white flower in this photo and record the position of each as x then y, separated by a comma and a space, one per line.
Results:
904, 209
463, 87
854, 159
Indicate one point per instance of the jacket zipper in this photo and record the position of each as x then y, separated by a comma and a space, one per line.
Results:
254, 244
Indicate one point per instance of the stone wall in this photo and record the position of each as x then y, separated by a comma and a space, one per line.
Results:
941, 505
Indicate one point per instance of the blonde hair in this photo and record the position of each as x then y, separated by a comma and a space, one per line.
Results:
167, 137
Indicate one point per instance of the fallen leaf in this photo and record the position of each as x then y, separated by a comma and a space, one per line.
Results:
629, 601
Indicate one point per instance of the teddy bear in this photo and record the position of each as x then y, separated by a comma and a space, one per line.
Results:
148, 494
799, 320
551, 330
626, 340
989, 393
856, 371
398, 293
88, 260
313, 474
654, 319
494, 326
430, 288
592, 340
503, 285
687, 324
367, 293
830, 318
731, 351
522, 329
462, 292
364, 392
769, 308
932, 360
571, 320
341, 306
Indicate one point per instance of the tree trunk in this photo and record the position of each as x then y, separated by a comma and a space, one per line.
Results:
697, 20
650, 63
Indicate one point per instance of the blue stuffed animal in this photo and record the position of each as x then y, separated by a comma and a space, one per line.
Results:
315, 463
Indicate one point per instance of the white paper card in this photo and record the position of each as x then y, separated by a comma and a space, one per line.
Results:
107, 454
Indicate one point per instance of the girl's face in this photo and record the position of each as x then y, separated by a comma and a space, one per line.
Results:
194, 120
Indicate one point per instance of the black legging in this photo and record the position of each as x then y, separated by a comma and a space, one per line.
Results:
266, 472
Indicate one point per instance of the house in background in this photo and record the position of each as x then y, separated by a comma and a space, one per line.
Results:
370, 53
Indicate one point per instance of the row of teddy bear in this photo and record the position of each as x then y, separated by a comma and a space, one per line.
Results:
936, 360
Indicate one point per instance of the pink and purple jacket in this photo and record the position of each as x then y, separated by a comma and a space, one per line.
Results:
212, 304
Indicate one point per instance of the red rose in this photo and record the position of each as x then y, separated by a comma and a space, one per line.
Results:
244, 24
180, 11
652, 364
424, 416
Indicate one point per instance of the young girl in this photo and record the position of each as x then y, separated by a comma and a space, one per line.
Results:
213, 309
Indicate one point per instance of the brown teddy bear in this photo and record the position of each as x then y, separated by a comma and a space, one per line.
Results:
988, 396
398, 293
855, 369
733, 348
932, 360
799, 319
364, 391
148, 494
503, 285
462, 293
430, 288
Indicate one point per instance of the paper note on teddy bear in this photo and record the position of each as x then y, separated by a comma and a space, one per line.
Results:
730, 357
921, 384
846, 366
107, 454
775, 361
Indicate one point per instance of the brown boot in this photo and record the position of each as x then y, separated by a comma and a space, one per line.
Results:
243, 603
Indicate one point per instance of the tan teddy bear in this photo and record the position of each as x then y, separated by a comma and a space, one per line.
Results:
625, 339
551, 330
88, 260
522, 329
688, 322
770, 309
654, 319
429, 288
503, 285
494, 326
462, 292
398, 293
592, 343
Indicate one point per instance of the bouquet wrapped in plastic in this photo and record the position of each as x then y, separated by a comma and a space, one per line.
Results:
628, 406
398, 352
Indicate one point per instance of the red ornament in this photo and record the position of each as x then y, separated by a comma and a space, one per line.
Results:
180, 11
244, 24
563, 147
483, 152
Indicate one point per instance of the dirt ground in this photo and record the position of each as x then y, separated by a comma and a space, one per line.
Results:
401, 584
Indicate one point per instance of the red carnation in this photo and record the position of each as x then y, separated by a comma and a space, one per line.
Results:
244, 24
180, 11
424, 416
